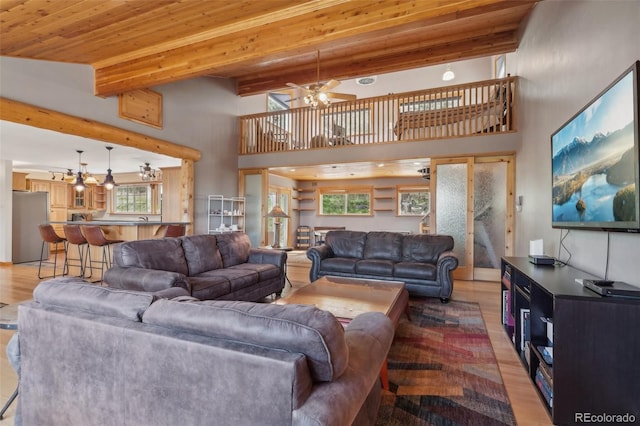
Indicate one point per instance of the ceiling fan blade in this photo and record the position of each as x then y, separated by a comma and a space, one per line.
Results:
345, 96
329, 85
296, 86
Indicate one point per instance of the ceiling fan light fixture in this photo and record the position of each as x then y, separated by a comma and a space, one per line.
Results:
448, 74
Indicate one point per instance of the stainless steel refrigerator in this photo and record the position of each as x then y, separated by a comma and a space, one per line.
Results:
30, 209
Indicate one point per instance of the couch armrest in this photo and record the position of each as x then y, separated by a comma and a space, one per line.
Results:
447, 262
141, 279
273, 256
316, 254
369, 338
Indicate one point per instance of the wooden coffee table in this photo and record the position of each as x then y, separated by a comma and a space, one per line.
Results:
347, 298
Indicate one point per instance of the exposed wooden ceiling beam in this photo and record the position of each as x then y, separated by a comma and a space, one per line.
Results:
21, 113
261, 44
293, 35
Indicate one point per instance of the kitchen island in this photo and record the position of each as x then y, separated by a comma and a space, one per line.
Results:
127, 230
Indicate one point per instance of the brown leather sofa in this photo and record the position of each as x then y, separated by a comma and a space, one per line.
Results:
424, 262
216, 266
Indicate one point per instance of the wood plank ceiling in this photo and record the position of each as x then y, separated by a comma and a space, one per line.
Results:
261, 44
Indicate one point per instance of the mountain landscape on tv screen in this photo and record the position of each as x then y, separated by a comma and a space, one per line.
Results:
593, 180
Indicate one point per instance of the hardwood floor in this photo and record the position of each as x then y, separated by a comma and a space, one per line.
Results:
18, 281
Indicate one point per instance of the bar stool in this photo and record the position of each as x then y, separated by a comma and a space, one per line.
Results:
174, 231
96, 238
49, 236
75, 237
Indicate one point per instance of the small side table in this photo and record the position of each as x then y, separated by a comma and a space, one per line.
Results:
9, 321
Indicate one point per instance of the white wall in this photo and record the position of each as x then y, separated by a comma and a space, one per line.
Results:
570, 51
405, 81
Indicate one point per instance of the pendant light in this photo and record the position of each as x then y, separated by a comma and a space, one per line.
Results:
109, 182
79, 185
448, 74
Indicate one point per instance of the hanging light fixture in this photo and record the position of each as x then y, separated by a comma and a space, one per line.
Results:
448, 74
147, 173
109, 182
69, 176
89, 179
79, 185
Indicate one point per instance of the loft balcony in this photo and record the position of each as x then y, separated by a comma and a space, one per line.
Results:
466, 110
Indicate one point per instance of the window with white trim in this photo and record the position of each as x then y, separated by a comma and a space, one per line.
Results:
355, 201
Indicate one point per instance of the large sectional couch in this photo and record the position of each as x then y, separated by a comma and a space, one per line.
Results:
424, 262
93, 355
216, 266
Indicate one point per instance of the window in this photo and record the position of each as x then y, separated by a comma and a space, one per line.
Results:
351, 201
413, 201
136, 198
431, 102
348, 122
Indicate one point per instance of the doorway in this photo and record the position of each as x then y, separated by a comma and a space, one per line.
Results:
473, 199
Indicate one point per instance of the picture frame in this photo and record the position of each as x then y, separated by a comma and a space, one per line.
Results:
413, 201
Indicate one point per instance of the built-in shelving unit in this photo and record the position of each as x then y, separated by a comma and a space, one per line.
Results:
306, 199
225, 214
383, 200
580, 349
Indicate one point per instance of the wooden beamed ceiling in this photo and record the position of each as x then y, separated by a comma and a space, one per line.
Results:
260, 44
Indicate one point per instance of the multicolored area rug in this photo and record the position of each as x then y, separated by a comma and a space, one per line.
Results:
442, 370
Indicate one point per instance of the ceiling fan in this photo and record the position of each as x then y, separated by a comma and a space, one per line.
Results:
318, 94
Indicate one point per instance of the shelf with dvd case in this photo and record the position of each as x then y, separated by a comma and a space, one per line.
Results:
579, 346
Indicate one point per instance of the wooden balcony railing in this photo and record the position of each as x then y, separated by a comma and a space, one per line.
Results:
474, 109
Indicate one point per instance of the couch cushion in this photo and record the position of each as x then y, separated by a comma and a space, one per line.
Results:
76, 295
165, 254
234, 248
425, 247
338, 264
201, 252
375, 267
295, 328
238, 278
415, 270
206, 286
383, 245
265, 271
346, 243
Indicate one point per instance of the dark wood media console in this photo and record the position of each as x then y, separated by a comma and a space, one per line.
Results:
595, 367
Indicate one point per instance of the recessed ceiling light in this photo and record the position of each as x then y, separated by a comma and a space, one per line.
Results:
381, 165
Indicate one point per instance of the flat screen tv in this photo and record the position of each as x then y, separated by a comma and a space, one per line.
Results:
595, 158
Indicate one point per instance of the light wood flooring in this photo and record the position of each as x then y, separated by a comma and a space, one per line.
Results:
18, 281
